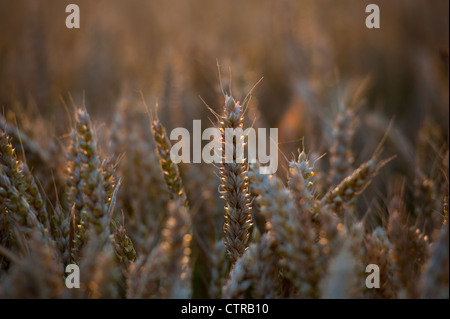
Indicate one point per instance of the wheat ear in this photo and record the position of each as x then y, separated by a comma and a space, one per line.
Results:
94, 195
169, 168
434, 282
341, 159
254, 274
293, 231
352, 185
234, 185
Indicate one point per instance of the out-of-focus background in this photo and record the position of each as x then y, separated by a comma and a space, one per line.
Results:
313, 56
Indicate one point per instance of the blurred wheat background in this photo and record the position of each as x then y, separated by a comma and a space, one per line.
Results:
86, 178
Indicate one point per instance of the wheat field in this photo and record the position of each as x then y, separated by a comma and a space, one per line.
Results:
86, 176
